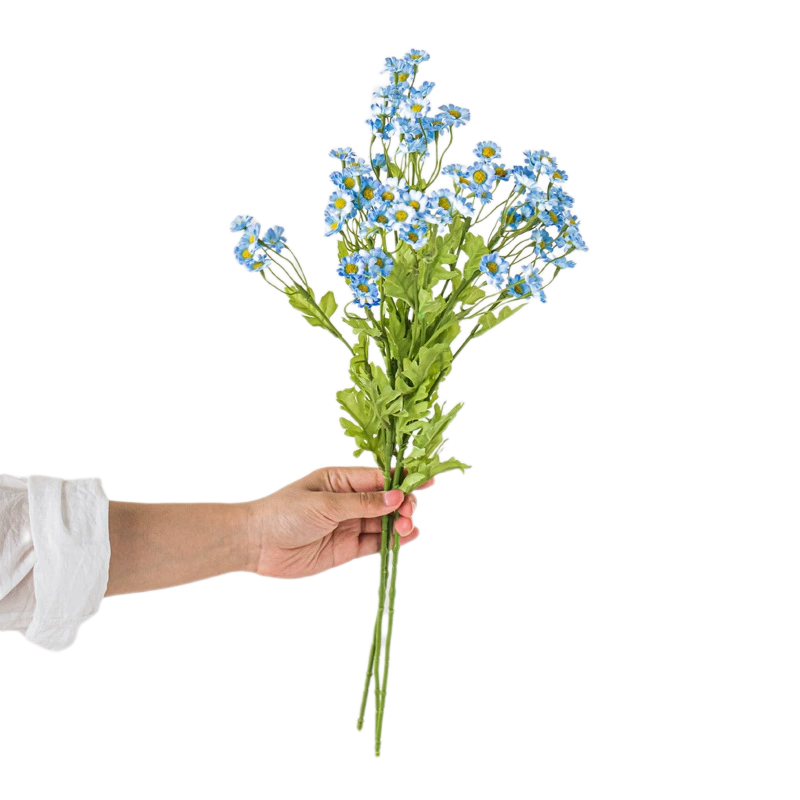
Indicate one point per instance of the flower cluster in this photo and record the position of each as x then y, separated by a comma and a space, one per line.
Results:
252, 251
361, 272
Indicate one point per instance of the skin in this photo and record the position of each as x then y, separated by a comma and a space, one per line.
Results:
321, 521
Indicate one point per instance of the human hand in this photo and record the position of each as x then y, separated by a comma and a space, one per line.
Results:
323, 520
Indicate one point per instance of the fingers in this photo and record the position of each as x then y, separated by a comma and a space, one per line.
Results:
341, 506
370, 543
344, 479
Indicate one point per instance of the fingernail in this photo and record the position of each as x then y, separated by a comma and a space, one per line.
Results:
393, 498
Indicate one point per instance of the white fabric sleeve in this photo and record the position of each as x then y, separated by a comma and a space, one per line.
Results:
54, 556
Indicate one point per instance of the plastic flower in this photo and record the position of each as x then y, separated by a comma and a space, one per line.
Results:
379, 264
346, 179
378, 216
245, 250
400, 214
350, 266
240, 223
495, 267
415, 234
259, 260
342, 201
417, 56
500, 172
458, 115
540, 161
275, 239
341, 153
415, 199
334, 221
251, 233
391, 190
558, 176
487, 150
365, 292
415, 106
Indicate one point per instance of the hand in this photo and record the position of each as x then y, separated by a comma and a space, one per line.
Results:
323, 520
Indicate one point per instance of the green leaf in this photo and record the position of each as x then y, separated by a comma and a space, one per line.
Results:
343, 251
489, 321
475, 248
395, 171
412, 481
471, 295
402, 284
328, 304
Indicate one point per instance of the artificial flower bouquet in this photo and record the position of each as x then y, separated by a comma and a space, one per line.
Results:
427, 270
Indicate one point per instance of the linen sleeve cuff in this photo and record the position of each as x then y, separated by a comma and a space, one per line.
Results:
69, 527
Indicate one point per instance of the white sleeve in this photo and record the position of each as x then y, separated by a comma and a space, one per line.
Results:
54, 556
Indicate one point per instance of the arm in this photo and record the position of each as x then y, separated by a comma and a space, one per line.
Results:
323, 520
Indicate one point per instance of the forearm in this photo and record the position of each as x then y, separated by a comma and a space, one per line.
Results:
166, 544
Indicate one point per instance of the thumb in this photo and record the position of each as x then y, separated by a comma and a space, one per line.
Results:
341, 506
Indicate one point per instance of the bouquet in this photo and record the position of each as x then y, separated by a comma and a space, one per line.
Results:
427, 271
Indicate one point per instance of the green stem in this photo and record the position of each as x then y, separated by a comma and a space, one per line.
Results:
398, 477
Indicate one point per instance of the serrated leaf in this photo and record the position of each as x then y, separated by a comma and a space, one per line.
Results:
489, 321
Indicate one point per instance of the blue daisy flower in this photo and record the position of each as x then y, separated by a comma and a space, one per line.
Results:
245, 250
459, 116
275, 239
346, 179
368, 191
487, 150
416, 234
400, 214
351, 266
342, 201
379, 264
240, 223
540, 161
365, 292
558, 176
425, 88
495, 267
259, 260
391, 190
378, 216
500, 172
334, 221
341, 153
415, 106
417, 56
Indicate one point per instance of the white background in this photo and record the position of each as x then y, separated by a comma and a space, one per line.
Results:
606, 605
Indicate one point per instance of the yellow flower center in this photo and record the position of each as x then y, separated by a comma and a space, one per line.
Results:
488, 152
519, 288
368, 193
492, 267
454, 113
349, 183
479, 176
462, 179
413, 237
414, 204
416, 108
334, 226
246, 254
557, 175
444, 203
401, 216
339, 203
379, 262
553, 216
402, 76
500, 172
387, 196
363, 287
351, 269
382, 219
